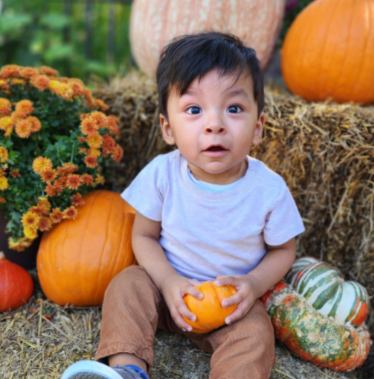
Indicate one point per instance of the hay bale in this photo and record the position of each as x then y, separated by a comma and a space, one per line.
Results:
324, 151
42, 339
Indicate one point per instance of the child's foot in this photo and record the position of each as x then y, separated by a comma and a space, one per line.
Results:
96, 370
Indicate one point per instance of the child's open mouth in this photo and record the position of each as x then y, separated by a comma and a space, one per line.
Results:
215, 151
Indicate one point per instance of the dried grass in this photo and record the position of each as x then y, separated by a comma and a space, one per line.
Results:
33, 346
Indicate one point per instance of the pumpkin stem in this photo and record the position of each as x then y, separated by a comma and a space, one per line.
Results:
2, 256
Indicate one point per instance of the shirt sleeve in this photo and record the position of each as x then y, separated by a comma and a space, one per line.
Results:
145, 193
284, 221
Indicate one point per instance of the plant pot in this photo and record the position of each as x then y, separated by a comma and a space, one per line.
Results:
26, 258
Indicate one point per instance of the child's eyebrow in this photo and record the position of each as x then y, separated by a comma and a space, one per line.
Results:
236, 91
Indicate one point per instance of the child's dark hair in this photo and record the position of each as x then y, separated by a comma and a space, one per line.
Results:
192, 56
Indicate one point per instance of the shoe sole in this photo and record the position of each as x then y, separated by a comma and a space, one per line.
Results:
90, 370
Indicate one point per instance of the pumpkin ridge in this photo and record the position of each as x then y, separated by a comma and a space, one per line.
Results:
339, 77
98, 287
94, 196
324, 46
365, 55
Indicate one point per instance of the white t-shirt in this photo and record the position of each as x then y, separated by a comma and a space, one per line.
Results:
206, 233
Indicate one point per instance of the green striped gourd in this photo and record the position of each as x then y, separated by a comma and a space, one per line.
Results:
324, 287
312, 336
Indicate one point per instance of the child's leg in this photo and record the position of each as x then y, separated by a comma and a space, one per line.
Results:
129, 320
245, 349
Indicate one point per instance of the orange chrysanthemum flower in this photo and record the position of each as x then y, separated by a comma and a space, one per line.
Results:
61, 182
2, 172
17, 81
83, 151
16, 117
2, 200
95, 152
36, 209
73, 182
70, 213
4, 84
65, 91
89, 126
113, 125
95, 140
28, 72
44, 205
42, 164
31, 233
100, 104
77, 86
9, 71
70, 168
99, 179
84, 116
41, 82
5, 106
3, 183
35, 123
109, 144
20, 244
87, 179
81, 139
30, 220
100, 119
48, 71
51, 190
23, 128
6, 122
48, 175
24, 108
45, 223
3, 154
89, 98
91, 161
117, 153
56, 215
15, 173
77, 200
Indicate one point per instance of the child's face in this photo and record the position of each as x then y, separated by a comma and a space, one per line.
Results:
214, 124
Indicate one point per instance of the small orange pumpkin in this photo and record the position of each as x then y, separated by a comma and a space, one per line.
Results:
78, 258
208, 311
16, 285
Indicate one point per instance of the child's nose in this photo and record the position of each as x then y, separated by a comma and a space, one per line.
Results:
215, 126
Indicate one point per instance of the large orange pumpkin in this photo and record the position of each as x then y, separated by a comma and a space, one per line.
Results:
208, 311
328, 52
155, 23
78, 258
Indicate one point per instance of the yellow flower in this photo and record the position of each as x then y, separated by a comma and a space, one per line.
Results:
30, 220
42, 164
94, 140
3, 154
3, 183
6, 122
20, 244
30, 233
44, 205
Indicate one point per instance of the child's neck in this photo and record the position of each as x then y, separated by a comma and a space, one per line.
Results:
226, 177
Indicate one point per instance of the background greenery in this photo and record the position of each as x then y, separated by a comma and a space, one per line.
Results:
33, 33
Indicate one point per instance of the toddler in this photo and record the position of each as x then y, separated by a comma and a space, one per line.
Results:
206, 211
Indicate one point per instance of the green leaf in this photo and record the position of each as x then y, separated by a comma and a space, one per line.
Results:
58, 52
55, 20
13, 23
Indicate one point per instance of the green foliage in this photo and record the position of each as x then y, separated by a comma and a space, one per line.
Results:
61, 141
36, 32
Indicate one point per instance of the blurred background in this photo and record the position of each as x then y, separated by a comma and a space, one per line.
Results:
87, 39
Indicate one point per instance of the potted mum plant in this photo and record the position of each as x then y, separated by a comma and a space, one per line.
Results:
55, 141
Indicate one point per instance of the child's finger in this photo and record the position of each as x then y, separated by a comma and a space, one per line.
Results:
239, 312
223, 280
194, 292
180, 321
234, 299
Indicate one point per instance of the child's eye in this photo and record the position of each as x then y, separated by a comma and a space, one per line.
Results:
234, 109
194, 110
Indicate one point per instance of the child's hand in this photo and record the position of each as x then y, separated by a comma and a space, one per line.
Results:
245, 296
173, 289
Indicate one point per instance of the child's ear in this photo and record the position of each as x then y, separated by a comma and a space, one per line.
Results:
167, 133
259, 129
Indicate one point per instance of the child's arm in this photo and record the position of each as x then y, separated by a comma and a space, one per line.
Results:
150, 255
273, 267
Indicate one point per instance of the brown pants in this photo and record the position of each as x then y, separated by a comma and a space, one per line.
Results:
134, 308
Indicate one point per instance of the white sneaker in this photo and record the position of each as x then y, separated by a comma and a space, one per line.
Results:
90, 370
